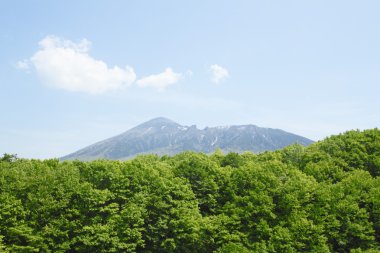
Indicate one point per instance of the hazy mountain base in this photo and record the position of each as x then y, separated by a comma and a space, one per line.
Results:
162, 136
322, 198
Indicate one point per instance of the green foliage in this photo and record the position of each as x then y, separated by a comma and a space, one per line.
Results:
323, 198
352, 150
232, 159
8, 158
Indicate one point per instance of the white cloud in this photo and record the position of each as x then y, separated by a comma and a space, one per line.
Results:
160, 81
218, 73
67, 65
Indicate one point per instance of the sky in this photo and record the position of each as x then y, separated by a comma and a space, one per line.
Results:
76, 72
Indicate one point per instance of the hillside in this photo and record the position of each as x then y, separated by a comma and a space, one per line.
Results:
320, 198
165, 137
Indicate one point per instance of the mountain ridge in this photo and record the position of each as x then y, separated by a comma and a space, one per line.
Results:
163, 136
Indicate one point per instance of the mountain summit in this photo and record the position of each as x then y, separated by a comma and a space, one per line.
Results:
163, 136
160, 121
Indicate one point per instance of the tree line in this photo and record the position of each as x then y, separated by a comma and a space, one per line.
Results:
320, 198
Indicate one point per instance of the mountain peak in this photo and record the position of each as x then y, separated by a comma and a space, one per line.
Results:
165, 137
158, 122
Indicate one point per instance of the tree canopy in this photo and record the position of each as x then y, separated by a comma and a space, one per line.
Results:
321, 198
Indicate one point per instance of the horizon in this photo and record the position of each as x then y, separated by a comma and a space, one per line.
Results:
196, 126
163, 136
72, 74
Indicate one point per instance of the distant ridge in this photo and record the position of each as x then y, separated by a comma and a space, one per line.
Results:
163, 136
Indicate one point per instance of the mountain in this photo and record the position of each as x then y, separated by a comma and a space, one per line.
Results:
166, 137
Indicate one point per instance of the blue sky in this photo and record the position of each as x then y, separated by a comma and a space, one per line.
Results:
76, 72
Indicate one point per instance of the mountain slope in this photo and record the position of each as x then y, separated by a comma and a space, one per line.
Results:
163, 136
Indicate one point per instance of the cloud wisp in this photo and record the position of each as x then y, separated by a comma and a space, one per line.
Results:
23, 65
160, 81
67, 65
218, 73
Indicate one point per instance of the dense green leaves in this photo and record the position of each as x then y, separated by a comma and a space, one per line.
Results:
323, 198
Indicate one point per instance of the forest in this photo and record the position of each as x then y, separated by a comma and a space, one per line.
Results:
320, 198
